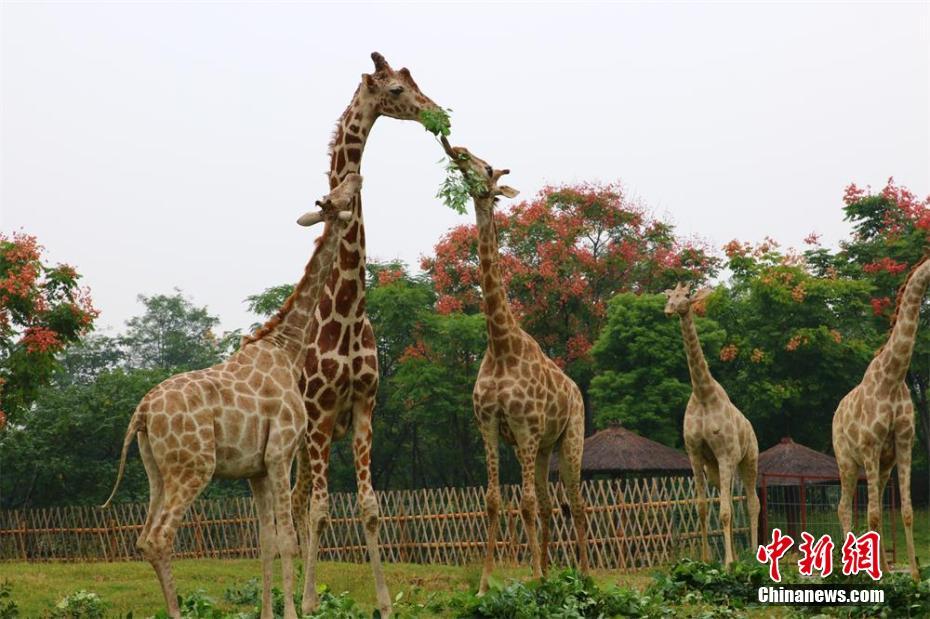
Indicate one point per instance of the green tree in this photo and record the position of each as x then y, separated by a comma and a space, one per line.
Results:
641, 372
172, 334
797, 341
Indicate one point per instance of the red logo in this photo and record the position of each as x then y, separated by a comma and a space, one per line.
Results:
773, 552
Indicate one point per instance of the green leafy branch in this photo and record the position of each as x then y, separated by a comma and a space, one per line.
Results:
459, 185
436, 121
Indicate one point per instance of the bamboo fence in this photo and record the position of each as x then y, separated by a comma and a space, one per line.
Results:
632, 524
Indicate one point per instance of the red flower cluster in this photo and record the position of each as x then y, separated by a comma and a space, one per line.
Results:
40, 339
729, 352
879, 304
887, 264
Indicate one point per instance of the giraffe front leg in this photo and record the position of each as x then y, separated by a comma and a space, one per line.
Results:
279, 469
264, 504
492, 499
529, 504
314, 523
368, 500
903, 458
726, 509
700, 495
545, 504
748, 470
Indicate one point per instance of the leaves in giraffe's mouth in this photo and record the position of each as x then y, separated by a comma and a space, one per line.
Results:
436, 121
459, 186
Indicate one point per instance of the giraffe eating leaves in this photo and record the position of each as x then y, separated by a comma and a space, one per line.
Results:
873, 426
718, 437
341, 371
240, 419
520, 394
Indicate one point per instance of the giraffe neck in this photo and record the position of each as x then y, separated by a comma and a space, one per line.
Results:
346, 284
896, 353
701, 381
292, 333
500, 320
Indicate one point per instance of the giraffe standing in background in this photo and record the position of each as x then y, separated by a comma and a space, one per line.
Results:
873, 426
520, 393
341, 372
241, 419
718, 437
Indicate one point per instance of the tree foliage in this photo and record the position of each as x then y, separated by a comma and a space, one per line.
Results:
42, 310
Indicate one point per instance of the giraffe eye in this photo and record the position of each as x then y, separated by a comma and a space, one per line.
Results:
397, 90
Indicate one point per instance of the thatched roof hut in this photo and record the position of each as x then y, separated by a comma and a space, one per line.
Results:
785, 463
616, 451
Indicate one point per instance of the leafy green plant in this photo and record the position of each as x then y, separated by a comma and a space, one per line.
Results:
566, 594
249, 592
459, 186
8, 608
337, 606
79, 605
436, 121
693, 581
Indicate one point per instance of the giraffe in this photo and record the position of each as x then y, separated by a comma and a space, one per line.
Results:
718, 438
341, 372
520, 394
873, 426
240, 419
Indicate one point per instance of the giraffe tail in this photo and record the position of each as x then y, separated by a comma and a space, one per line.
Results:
127, 441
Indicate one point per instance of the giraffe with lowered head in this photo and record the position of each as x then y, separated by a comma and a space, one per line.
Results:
873, 426
520, 395
341, 371
718, 437
240, 419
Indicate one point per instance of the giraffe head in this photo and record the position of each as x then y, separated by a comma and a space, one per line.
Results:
680, 302
337, 204
481, 178
393, 93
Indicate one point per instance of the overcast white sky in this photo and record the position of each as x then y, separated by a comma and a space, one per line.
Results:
162, 145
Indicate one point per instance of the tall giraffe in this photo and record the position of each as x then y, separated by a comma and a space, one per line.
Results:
240, 419
520, 394
718, 437
873, 426
341, 373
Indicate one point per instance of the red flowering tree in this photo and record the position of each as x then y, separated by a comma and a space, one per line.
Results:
42, 309
564, 255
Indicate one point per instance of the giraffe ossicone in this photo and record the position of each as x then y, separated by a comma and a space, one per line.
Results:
240, 419
719, 439
520, 394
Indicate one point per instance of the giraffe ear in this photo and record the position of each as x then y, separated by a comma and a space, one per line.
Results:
508, 191
310, 218
369, 82
701, 295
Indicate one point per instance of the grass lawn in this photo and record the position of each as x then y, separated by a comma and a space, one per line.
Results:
132, 585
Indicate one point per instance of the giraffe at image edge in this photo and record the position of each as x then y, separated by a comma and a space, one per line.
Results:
873, 426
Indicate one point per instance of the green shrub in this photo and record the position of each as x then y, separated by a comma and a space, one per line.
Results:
567, 595
79, 605
691, 581
249, 592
